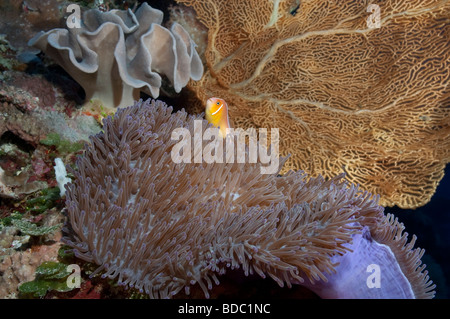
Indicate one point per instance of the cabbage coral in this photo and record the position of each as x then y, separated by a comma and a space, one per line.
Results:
116, 54
163, 227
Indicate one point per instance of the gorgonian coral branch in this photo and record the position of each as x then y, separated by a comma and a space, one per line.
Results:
344, 94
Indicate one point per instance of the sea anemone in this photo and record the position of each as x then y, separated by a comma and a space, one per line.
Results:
162, 227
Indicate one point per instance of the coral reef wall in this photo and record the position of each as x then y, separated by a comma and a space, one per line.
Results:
346, 94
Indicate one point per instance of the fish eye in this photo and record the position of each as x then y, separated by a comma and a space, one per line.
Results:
218, 103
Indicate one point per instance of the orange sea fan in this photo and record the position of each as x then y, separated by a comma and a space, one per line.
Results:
346, 96
163, 227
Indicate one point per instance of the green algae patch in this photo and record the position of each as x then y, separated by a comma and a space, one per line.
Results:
62, 146
44, 201
50, 275
29, 228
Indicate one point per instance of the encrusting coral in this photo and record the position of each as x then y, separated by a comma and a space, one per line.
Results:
116, 54
345, 94
162, 226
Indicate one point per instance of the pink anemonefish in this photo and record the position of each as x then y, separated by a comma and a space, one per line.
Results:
216, 113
